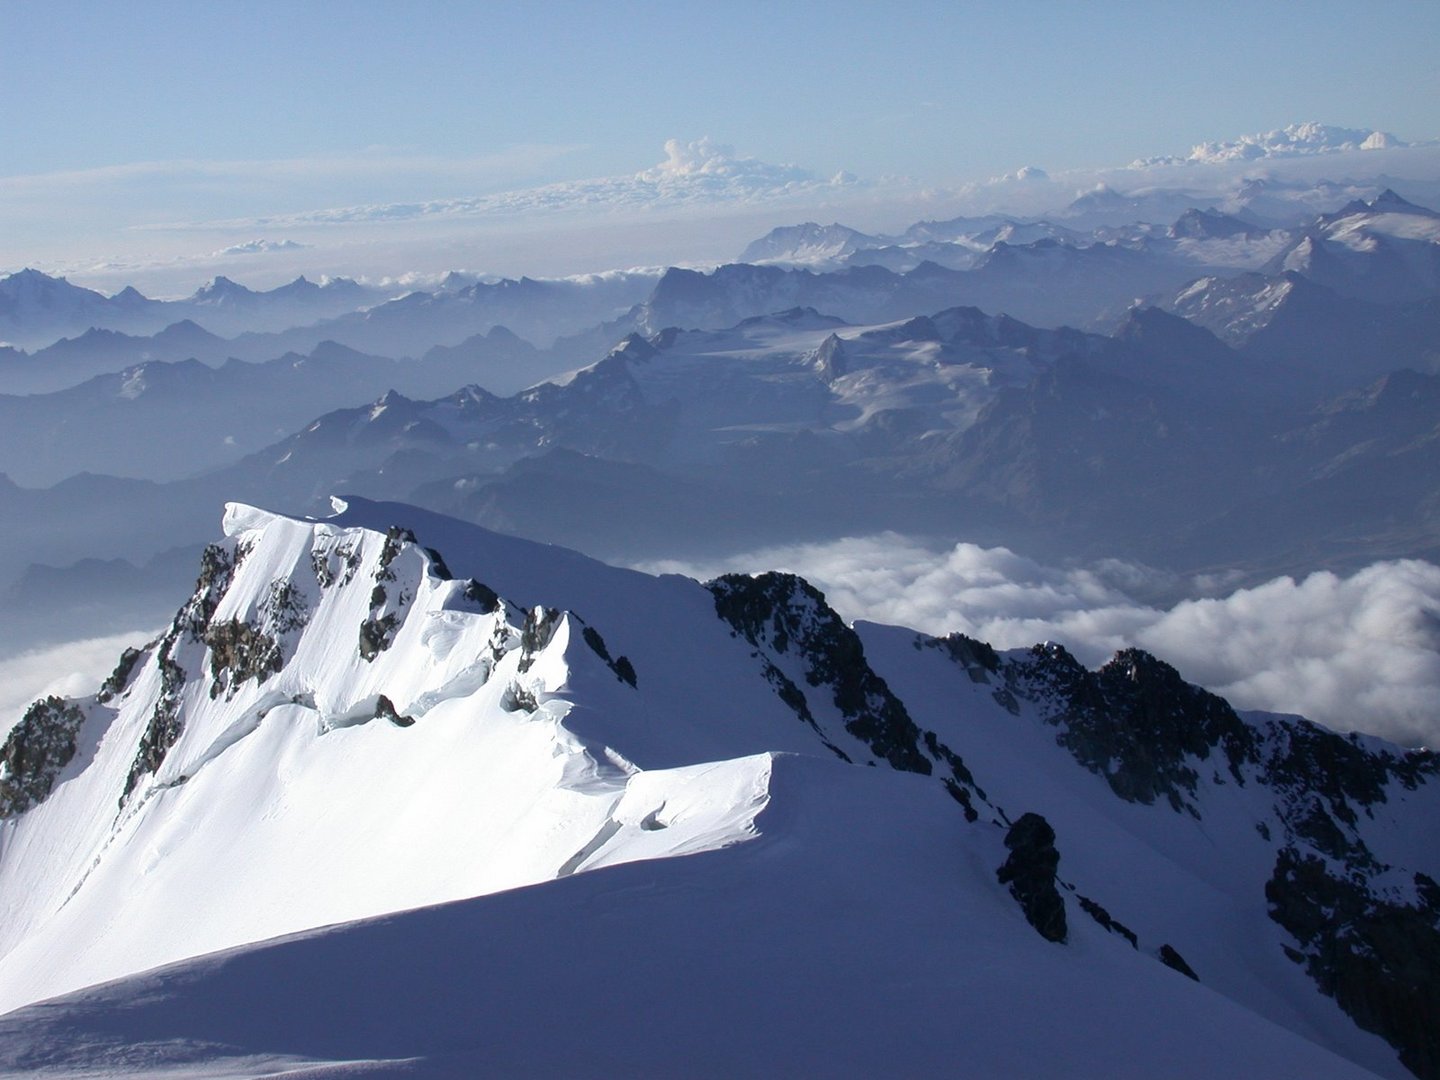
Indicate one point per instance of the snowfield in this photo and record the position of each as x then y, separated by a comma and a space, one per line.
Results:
398, 796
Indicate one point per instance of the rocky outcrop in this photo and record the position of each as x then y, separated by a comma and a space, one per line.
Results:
35, 752
787, 614
1171, 958
1108, 921
1327, 783
117, 681
165, 723
218, 564
385, 710
789, 624
621, 666
1030, 873
1376, 953
334, 563
1134, 722
240, 651
539, 628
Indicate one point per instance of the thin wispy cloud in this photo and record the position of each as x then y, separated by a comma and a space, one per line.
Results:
702, 172
1355, 653
375, 162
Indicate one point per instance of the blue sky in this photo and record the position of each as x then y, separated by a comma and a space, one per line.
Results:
153, 112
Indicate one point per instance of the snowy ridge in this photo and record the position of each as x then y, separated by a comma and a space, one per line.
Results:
287, 687
342, 723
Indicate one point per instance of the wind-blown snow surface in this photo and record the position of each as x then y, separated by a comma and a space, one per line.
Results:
832, 945
339, 725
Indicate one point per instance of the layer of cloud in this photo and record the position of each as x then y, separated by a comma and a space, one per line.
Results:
76, 667
1295, 140
376, 164
702, 172
1355, 653
260, 246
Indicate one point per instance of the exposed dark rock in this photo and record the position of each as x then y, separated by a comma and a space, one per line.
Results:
1109, 922
539, 628
1378, 956
978, 658
217, 570
960, 782
623, 669
283, 607
1340, 769
438, 566
396, 537
775, 611
1030, 873
1135, 722
240, 651
482, 596
35, 752
378, 630
336, 563
385, 709
119, 679
165, 724
794, 698
1171, 958
376, 635
517, 698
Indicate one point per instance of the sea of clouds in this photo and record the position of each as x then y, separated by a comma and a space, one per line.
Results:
1358, 652
68, 670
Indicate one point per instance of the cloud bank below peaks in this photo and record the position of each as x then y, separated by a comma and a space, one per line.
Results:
69, 669
699, 173
1354, 653
1294, 140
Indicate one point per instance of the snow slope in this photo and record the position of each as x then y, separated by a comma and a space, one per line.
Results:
366, 716
834, 944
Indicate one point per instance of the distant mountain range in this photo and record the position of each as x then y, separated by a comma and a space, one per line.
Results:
755, 404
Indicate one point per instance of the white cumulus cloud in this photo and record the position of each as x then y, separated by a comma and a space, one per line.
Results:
261, 247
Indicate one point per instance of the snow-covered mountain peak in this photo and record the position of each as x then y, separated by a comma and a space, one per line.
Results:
33, 287
807, 243
341, 721
350, 660
221, 289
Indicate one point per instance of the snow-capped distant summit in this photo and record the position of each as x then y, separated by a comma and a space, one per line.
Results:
221, 290
34, 286
1387, 202
807, 243
1294, 140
